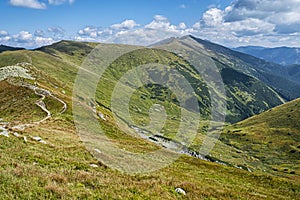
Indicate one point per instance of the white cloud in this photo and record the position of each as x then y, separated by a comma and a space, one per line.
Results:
5, 39
128, 33
160, 28
57, 33
125, 25
22, 37
213, 17
197, 26
26, 39
3, 33
41, 41
89, 31
285, 15
39, 33
160, 23
182, 26
28, 3
38, 4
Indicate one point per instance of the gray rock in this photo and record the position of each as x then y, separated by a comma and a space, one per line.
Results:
16, 134
37, 139
180, 191
4, 133
94, 165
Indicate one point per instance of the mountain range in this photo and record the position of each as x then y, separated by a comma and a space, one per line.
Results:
8, 48
43, 156
279, 55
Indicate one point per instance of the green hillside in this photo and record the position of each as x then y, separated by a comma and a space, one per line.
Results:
8, 48
246, 93
48, 160
274, 75
272, 137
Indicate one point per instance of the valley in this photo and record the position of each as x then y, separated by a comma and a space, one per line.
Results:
44, 156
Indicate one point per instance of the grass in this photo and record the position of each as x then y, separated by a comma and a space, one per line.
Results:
62, 169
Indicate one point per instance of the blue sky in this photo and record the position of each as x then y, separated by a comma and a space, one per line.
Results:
32, 23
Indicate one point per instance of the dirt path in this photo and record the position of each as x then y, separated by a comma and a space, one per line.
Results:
40, 103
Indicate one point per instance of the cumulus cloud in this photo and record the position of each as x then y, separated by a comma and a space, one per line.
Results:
26, 39
57, 33
285, 15
213, 17
41, 41
28, 3
159, 28
125, 25
160, 23
3, 33
212, 26
22, 37
182, 26
89, 31
4, 37
39, 33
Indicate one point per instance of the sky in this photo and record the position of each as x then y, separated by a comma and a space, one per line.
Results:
35, 23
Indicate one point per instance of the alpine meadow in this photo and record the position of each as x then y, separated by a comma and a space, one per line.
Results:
172, 109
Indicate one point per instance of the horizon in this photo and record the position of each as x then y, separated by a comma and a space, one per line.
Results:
69, 40
231, 23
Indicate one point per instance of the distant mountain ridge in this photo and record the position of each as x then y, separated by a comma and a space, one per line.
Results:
279, 55
8, 48
275, 75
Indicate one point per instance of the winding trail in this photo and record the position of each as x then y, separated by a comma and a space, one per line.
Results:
40, 103
20, 70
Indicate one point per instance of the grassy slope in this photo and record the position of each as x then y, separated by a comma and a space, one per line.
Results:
274, 75
17, 104
246, 95
61, 169
273, 137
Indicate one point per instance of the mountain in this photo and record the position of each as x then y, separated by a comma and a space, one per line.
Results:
276, 76
43, 156
294, 71
279, 55
8, 48
247, 95
237, 69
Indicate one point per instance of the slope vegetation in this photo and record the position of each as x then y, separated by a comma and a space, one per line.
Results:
61, 167
272, 137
